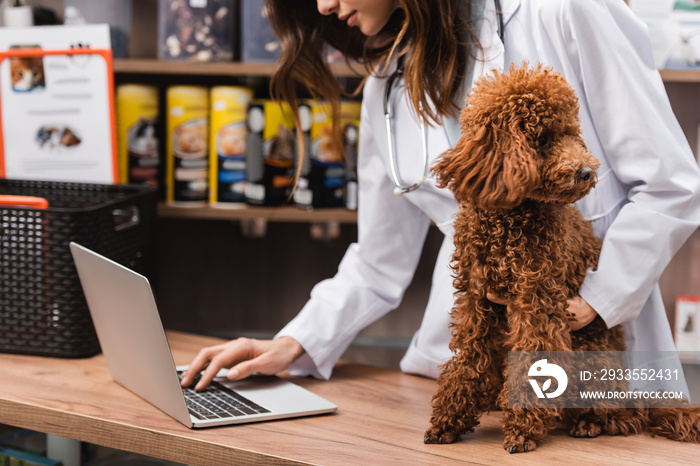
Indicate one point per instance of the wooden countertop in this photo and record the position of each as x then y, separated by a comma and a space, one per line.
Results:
381, 419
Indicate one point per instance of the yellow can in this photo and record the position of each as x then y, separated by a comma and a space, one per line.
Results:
137, 140
227, 144
187, 137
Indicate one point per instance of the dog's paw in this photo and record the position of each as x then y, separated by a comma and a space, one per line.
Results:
436, 435
585, 429
519, 444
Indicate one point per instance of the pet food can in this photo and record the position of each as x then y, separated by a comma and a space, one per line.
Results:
270, 153
227, 145
303, 197
187, 133
351, 134
328, 169
137, 119
254, 157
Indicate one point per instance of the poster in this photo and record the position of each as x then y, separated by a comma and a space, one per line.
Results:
57, 104
687, 323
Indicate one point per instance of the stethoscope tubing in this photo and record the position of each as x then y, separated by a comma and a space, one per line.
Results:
401, 188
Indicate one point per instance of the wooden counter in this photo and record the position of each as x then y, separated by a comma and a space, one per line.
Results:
381, 419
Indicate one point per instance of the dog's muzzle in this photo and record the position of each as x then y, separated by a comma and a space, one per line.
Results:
585, 174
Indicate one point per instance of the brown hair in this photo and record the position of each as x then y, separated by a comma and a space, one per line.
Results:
433, 36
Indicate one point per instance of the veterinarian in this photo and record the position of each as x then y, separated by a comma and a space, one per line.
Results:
645, 204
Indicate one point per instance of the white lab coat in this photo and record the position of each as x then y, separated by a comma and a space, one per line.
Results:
645, 205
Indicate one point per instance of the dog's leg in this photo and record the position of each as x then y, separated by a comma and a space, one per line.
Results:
588, 422
680, 424
591, 422
470, 381
585, 423
533, 327
602, 347
523, 428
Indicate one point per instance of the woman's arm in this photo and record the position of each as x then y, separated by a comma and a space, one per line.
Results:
374, 272
645, 147
370, 281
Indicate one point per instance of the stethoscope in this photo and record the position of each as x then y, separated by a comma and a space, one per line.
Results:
400, 188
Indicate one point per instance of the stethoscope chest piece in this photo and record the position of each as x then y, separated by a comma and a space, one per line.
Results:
401, 190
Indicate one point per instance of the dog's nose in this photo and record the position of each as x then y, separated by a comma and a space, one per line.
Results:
584, 174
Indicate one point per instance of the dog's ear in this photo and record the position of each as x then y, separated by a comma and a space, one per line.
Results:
491, 166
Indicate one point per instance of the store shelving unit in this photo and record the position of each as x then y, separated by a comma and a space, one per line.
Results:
690, 358
274, 214
240, 69
342, 70
149, 66
680, 76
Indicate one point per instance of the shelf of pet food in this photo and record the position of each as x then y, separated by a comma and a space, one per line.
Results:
151, 66
680, 76
288, 214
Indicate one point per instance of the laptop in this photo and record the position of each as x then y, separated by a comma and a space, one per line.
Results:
134, 344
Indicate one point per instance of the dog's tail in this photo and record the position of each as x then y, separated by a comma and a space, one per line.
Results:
680, 424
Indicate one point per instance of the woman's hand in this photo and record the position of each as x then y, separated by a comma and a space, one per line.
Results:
243, 356
581, 312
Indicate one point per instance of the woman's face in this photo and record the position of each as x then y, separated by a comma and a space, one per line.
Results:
370, 16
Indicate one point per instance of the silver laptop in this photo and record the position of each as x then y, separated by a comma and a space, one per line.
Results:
136, 349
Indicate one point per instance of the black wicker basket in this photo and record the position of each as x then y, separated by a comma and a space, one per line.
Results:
42, 307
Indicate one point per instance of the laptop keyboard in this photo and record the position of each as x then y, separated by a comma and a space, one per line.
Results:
217, 402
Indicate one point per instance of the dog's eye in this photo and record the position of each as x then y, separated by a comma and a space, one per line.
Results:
543, 140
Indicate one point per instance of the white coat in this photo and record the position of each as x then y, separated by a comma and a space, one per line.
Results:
645, 204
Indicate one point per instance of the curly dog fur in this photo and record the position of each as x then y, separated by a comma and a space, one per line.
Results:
518, 166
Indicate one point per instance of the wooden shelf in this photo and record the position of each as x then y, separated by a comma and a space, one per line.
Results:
680, 76
149, 66
152, 66
288, 214
690, 358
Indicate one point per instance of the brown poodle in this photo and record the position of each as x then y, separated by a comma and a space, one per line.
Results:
517, 168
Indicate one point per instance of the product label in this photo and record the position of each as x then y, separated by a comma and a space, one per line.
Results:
188, 143
137, 120
271, 151
327, 177
229, 136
